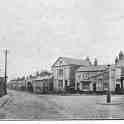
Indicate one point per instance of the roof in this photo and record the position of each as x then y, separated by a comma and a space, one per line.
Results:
42, 78
73, 61
92, 68
98, 74
121, 62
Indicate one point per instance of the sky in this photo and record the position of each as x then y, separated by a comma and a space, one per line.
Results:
37, 32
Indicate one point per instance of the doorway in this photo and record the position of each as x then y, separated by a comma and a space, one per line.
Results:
118, 87
94, 87
30, 87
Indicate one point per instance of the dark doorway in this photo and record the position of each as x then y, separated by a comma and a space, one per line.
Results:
122, 82
94, 87
30, 87
66, 83
118, 87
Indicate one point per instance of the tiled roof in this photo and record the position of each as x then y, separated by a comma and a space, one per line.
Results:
73, 61
93, 68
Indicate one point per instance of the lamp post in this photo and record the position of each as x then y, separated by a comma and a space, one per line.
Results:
109, 91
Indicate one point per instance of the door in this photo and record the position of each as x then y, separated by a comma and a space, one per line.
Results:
117, 87
94, 87
30, 87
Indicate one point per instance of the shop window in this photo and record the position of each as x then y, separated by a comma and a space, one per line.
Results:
85, 86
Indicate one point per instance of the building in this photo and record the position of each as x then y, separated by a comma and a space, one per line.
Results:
64, 72
42, 84
17, 84
86, 78
34, 84
96, 78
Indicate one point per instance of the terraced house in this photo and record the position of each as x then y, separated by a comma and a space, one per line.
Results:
64, 72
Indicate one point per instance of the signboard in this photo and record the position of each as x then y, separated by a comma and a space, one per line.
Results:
83, 76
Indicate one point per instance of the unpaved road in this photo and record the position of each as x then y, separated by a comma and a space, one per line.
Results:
23, 105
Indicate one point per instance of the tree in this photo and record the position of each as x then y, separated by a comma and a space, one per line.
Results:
37, 73
18, 78
45, 73
116, 60
30, 76
121, 55
88, 59
95, 62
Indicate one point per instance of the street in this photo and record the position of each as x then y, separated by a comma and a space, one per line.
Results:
24, 105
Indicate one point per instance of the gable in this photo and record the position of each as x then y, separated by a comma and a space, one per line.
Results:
70, 61
59, 62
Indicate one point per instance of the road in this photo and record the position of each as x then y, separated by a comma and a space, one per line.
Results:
23, 105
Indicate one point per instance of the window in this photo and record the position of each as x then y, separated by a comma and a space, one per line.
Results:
106, 86
66, 82
85, 86
78, 86
60, 72
60, 84
100, 85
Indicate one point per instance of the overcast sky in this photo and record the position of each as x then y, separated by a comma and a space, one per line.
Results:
36, 32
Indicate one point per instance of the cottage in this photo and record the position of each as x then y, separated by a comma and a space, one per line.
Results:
64, 72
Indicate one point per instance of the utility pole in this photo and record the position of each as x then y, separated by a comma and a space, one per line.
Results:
109, 84
5, 88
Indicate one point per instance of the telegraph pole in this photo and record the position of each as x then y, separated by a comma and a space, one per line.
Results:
109, 84
5, 75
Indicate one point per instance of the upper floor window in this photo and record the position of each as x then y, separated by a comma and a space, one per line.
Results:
60, 63
60, 84
60, 72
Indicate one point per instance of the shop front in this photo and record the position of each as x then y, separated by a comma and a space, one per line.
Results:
85, 86
91, 79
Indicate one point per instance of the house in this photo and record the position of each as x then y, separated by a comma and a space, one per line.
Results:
64, 72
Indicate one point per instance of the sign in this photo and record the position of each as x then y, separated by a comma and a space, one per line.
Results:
85, 76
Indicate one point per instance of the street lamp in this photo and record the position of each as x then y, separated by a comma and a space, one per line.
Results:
109, 91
